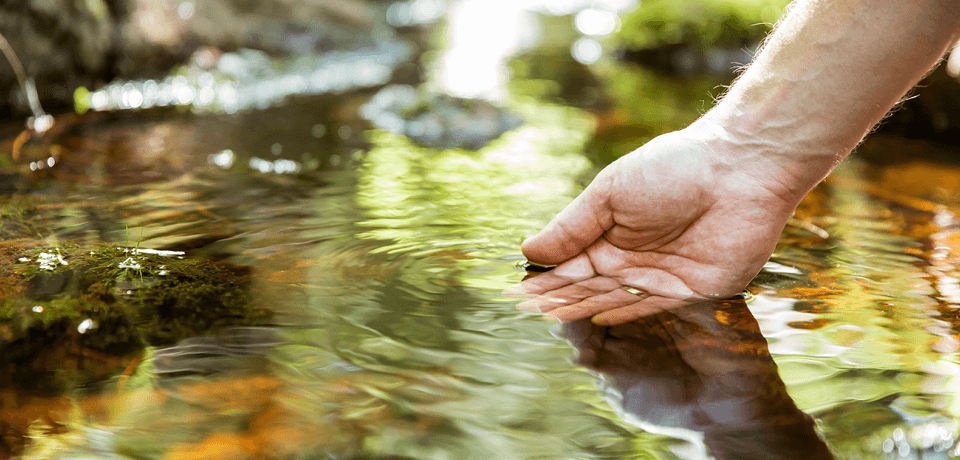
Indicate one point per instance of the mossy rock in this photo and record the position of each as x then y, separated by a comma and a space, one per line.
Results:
109, 302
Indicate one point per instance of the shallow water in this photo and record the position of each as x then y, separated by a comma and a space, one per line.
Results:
355, 306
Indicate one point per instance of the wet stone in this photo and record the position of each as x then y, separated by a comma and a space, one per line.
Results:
438, 120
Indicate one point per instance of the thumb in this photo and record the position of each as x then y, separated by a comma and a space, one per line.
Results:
581, 223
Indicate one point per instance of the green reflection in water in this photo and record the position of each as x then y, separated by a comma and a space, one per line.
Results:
480, 203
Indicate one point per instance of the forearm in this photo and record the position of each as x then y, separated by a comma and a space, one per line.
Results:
826, 76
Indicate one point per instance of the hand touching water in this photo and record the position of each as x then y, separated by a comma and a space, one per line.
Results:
697, 212
678, 218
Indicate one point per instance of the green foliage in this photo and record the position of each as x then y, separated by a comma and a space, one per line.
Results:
699, 23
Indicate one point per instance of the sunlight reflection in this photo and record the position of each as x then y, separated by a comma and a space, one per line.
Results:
474, 65
596, 22
223, 159
586, 51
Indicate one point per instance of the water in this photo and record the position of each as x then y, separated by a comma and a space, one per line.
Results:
340, 294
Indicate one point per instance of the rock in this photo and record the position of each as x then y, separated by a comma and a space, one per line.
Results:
438, 120
61, 43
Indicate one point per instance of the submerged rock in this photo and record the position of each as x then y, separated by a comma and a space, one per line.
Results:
438, 120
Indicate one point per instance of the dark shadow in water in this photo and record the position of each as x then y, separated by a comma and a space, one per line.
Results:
703, 367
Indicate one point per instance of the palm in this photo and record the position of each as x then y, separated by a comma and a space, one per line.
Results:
668, 221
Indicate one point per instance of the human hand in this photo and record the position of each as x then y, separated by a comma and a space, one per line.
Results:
690, 215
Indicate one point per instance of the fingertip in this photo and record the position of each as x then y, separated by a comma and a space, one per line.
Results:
612, 318
566, 314
598, 320
549, 248
536, 250
526, 247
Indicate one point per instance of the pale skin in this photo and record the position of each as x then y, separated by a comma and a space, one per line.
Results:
696, 213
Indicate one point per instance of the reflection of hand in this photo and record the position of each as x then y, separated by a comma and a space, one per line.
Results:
703, 367
680, 217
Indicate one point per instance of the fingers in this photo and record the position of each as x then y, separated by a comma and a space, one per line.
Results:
576, 227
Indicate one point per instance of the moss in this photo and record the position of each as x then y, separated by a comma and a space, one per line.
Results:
67, 302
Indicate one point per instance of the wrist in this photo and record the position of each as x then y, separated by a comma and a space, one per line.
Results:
781, 162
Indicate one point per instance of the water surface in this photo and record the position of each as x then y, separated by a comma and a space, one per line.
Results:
339, 293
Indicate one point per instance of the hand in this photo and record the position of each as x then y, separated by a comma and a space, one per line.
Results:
690, 215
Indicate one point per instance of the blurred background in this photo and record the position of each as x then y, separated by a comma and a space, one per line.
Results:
93, 45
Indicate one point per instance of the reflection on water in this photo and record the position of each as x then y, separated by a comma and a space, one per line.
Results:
854, 308
381, 264
701, 372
